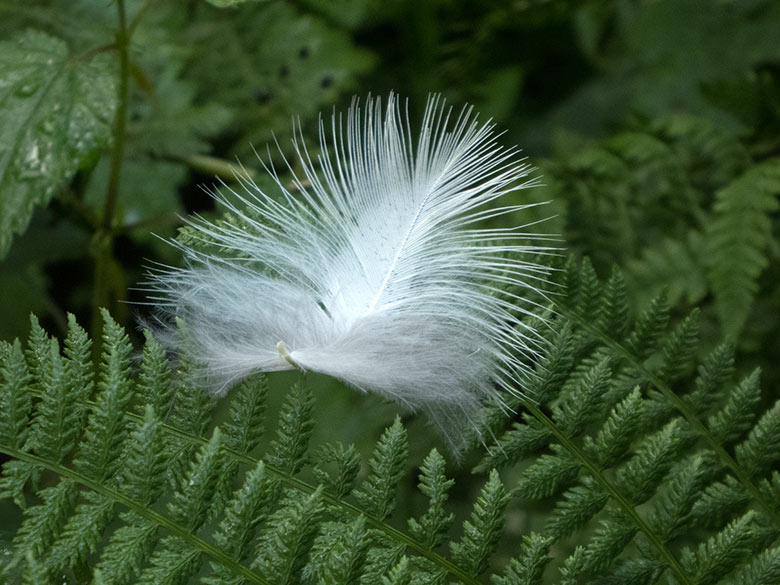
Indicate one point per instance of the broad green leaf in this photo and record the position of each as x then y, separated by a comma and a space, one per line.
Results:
55, 111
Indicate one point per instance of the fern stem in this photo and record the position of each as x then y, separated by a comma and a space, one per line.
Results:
687, 414
671, 561
103, 240
175, 528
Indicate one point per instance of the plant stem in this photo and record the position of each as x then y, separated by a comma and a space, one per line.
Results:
103, 242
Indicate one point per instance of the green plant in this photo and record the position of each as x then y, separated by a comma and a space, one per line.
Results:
669, 468
641, 455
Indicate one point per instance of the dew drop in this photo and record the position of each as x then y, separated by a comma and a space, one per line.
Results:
26, 89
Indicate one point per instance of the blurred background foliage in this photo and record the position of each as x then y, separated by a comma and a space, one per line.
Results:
654, 124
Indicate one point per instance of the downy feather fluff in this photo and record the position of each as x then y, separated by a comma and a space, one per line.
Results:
371, 267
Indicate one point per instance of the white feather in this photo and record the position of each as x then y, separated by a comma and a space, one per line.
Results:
373, 269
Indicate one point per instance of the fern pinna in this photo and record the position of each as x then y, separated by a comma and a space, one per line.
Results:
660, 465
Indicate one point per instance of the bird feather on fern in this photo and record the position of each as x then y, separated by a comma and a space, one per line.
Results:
374, 267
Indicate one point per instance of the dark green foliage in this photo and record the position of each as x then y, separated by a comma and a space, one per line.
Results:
738, 414
247, 415
737, 236
721, 553
482, 531
154, 381
41, 79
649, 327
339, 553
642, 455
107, 428
15, 403
347, 462
615, 436
636, 468
528, 566
579, 504
761, 449
433, 526
283, 547
377, 492
295, 428
127, 498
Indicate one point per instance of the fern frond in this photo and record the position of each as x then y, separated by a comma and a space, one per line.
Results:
15, 403
528, 566
761, 449
100, 450
339, 553
482, 531
347, 462
736, 241
282, 550
295, 429
718, 556
377, 492
154, 380
616, 434
433, 526
738, 414
578, 505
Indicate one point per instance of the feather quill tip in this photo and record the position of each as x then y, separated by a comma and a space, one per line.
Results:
377, 266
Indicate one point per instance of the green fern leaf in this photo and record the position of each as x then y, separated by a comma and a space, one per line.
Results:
518, 442
612, 317
481, 533
347, 463
716, 368
736, 417
736, 240
15, 403
611, 537
154, 380
636, 571
400, 574
44, 522
720, 501
433, 526
649, 327
100, 451
763, 569
761, 449
82, 533
528, 566
128, 549
718, 556
547, 476
616, 434
289, 535
377, 492
191, 504
672, 510
247, 510
244, 428
296, 424
578, 505
578, 407
173, 563
338, 554
641, 474
679, 347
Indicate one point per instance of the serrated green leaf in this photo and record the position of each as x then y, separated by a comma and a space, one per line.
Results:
56, 111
